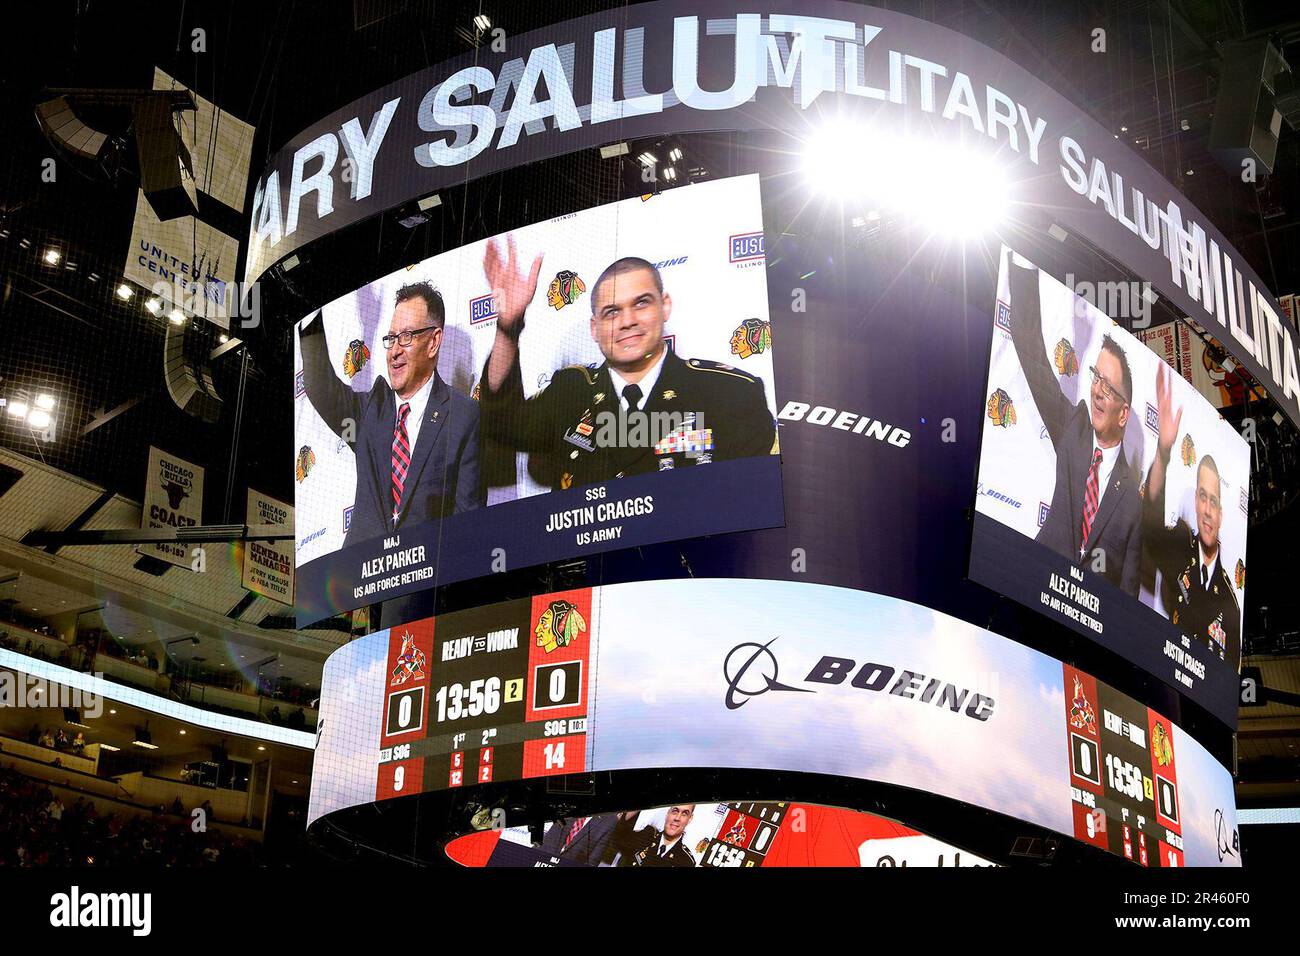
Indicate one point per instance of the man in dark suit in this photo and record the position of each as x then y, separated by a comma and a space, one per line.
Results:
1198, 594
650, 846
415, 440
1095, 515
583, 427
585, 841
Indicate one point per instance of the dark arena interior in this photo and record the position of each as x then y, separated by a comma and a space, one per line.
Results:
443, 440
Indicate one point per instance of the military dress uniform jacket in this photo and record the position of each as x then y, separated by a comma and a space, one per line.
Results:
560, 426
641, 847
1207, 614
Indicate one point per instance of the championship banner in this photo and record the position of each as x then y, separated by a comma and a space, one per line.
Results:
657, 69
765, 675
173, 498
194, 258
714, 835
268, 565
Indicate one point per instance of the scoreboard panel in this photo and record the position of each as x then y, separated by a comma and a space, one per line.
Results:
494, 693
1123, 780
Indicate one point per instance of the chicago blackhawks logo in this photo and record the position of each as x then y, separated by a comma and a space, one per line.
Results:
1082, 716
1000, 410
1188, 450
1161, 745
565, 289
410, 662
752, 337
559, 625
1239, 577
355, 358
305, 463
1067, 362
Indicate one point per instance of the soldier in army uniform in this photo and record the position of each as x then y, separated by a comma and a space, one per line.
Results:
1198, 592
650, 846
715, 412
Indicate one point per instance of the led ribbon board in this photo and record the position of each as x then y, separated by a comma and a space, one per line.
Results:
659, 68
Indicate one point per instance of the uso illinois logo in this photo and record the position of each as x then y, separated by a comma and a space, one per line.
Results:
482, 309
745, 247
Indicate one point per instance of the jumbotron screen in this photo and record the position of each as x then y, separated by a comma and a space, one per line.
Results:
739, 835
544, 394
770, 675
1112, 497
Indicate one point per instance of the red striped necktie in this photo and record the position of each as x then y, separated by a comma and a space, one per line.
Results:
401, 458
1091, 498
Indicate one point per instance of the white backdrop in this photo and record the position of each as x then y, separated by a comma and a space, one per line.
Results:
688, 229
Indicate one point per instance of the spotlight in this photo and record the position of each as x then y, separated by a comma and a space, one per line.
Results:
39, 419
17, 408
648, 158
670, 174
52, 256
946, 188
482, 23
154, 306
176, 317
45, 401
124, 292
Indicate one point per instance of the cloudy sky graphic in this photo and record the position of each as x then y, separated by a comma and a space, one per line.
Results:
660, 692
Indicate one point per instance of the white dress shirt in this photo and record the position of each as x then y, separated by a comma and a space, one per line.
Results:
1108, 458
418, 402
646, 384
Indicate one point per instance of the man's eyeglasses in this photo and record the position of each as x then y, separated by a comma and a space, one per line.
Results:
1110, 391
405, 337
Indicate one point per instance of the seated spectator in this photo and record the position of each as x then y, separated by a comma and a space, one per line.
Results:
79, 742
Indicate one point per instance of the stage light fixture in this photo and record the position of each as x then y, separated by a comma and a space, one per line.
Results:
154, 306
39, 418
52, 256
613, 150
17, 409
482, 23
648, 159
124, 292
176, 317
45, 401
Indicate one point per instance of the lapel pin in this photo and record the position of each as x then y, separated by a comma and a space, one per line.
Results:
669, 395
435, 417
600, 397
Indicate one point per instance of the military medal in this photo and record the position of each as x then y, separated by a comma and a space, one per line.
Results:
599, 397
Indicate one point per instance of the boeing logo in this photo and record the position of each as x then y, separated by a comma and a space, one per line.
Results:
1226, 846
751, 669
739, 660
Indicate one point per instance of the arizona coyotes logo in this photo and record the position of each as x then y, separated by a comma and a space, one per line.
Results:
737, 835
355, 358
305, 463
752, 337
1188, 450
1082, 716
559, 625
565, 289
1239, 577
1067, 362
410, 662
1161, 745
1000, 410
